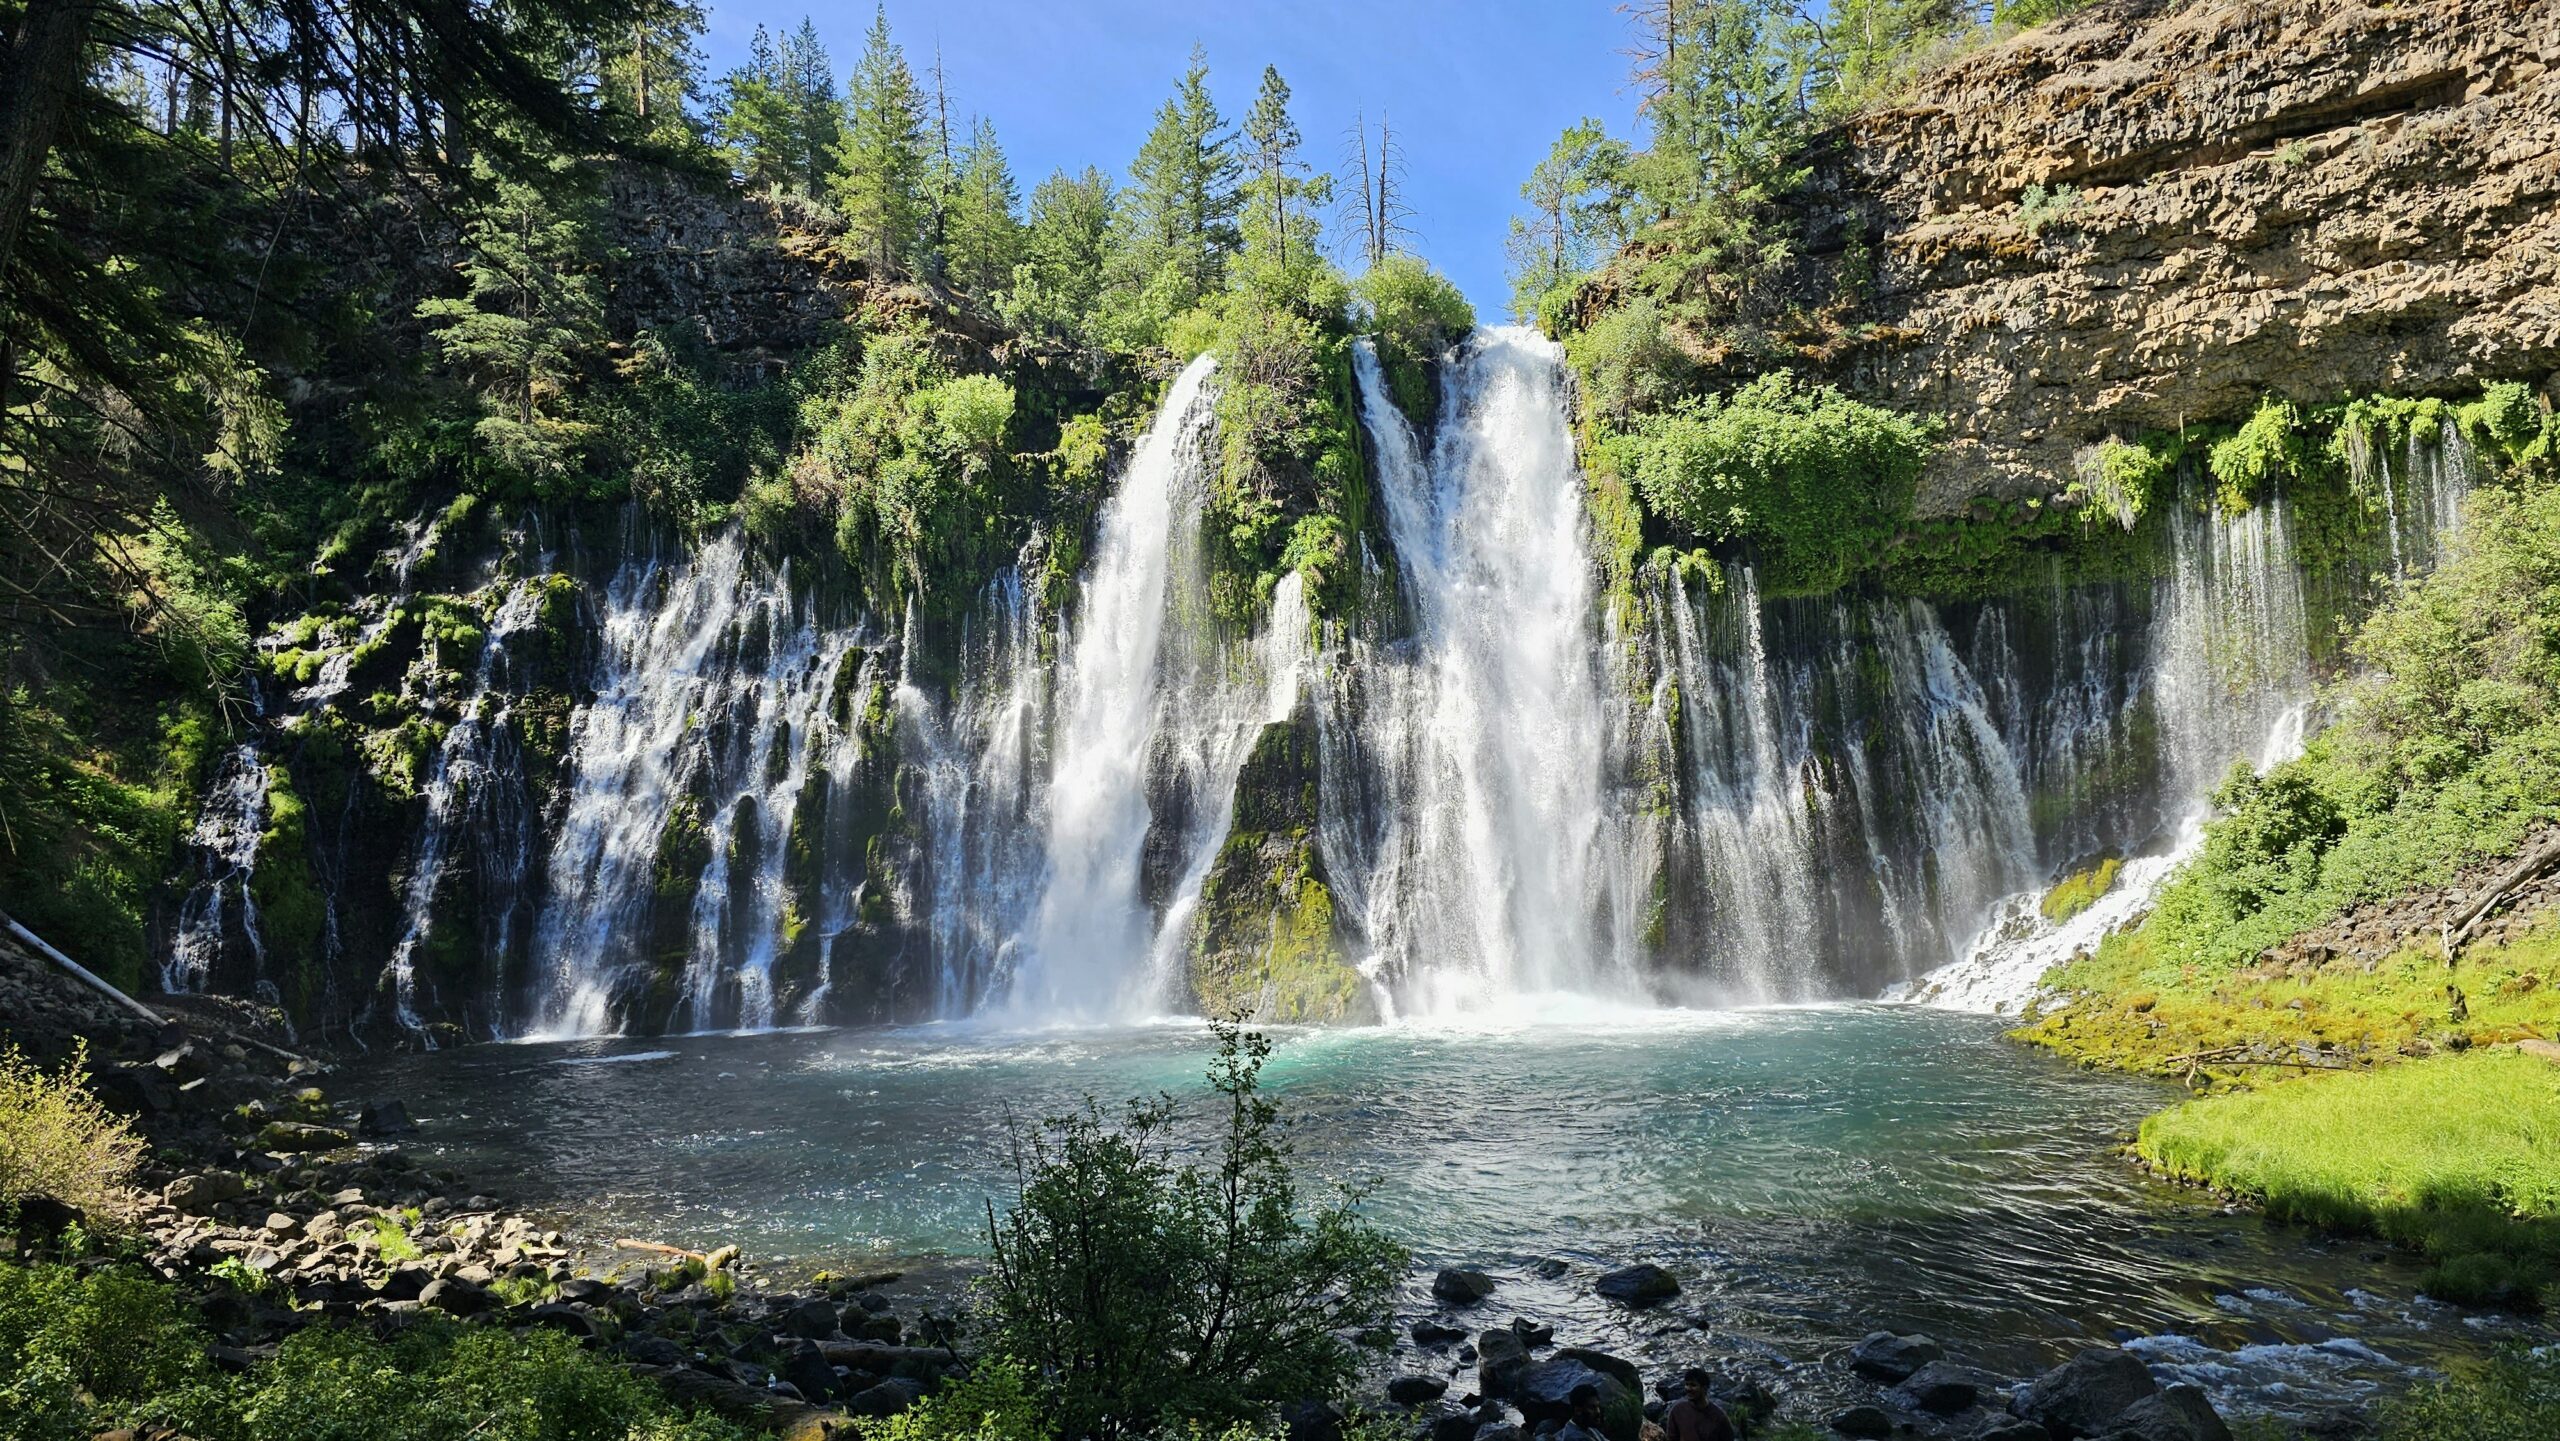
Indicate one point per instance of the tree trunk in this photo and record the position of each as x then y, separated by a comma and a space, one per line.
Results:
47, 58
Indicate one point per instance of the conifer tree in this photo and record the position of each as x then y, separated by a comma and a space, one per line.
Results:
881, 160
654, 72
530, 317
1576, 205
1066, 246
759, 119
1283, 196
984, 239
809, 82
1180, 208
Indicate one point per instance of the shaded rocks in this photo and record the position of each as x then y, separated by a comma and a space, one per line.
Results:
1641, 1284
814, 1319
2177, 1413
1885, 1357
1414, 1390
2086, 1394
1944, 1389
1458, 1286
1543, 1390
454, 1296
1862, 1421
202, 1192
297, 1136
1428, 1332
385, 1118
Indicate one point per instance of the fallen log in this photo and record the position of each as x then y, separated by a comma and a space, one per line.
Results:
82, 973
2529, 866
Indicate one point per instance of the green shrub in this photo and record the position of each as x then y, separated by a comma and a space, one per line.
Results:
2080, 890
1628, 363
1150, 1292
56, 1140
2266, 449
2039, 207
1413, 313
1823, 481
996, 1401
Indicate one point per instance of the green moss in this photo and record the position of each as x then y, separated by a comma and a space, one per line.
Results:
292, 910
2080, 890
1267, 944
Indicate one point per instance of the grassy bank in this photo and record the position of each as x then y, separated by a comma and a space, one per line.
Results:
2456, 1156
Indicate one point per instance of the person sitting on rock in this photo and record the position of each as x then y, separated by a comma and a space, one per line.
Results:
1585, 1422
1693, 1417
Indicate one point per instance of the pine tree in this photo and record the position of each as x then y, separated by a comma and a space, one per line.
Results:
1575, 206
1180, 208
1066, 247
655, 71
758, 123
881, 161
984, 238
1271, 141
529, 317
809, 84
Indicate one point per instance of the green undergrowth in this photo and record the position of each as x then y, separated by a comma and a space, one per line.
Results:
2455, 1156
2080, 890
83, 1351
2515, 1394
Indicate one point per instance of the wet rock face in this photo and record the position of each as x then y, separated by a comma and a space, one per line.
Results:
2310, 197
1268, 945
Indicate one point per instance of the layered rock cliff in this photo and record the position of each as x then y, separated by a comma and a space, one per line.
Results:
2152, 213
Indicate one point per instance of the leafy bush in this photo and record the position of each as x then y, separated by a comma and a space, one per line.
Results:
2039, 207
2267, 448
996, 1401
1413, 313
1823, 480
57, 1140
1149, 1292
1628, 363
2080, 890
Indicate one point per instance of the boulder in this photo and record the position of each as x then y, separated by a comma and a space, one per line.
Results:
809, 1372
1862, 1421
2177, 1413
295, 1137
2084, 1395
1455, 1424
585, 1290
1315, 1419
2016, 1431
1623, 1372
889, 1398
1499, 1431
1433, 1333
814, 1318
1544, 1391
455, 1297
1884, 1357
656, 1351
1500, 1358
1943, 1388
1458, 1286
200, 1193
1413, 1390
1641, 1284
568, 1319
385, 1118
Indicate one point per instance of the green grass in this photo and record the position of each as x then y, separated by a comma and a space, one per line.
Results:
2080, 890
2457, 1156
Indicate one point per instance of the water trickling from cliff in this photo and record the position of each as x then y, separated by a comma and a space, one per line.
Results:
683, 776
2421, 484
220, 903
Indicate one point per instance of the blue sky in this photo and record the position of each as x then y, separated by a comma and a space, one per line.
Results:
1476, 92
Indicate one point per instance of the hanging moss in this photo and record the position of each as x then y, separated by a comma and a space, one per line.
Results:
1268, 945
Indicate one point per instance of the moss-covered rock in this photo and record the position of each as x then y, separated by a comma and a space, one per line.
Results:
1268, 945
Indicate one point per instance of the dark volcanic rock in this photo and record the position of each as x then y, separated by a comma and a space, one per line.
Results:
386, 1118
1943, 1388
1458, 1286
1886, 1357
1639, 1285
2179, 1413
2084, 1395
1413, 1390
454, 1296
1862, 1421
1429, 1332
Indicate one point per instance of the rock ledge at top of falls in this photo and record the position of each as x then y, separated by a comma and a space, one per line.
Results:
2312, 198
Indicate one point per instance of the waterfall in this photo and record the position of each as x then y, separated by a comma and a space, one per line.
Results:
1155, 713
1494, 869
417, 538
225, 851
474, 775
2421, 490
709, 685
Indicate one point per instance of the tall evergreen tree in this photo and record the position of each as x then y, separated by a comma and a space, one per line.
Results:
1271, 141
1575, 206
984, 237
530, 317
759, 119
1066, 247
654, 72
809, 83
1180, 207
881, 161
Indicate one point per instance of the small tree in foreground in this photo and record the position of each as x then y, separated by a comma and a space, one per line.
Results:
1148, 1292
56, 1140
